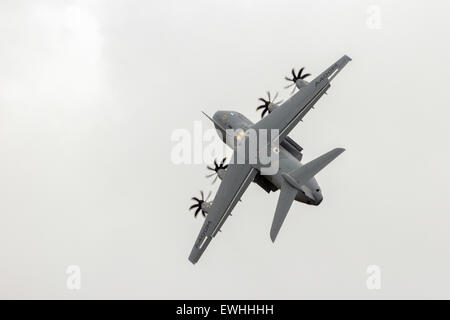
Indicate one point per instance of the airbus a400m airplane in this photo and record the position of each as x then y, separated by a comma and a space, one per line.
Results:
294, 180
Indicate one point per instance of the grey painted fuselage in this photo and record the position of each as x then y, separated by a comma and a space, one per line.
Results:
311, 192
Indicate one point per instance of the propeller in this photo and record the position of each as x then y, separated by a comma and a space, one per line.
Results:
296, 77
199, 204
268, 103
217, 167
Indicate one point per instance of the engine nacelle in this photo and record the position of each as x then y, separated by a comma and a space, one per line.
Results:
221, 173
300, 83
206, 206
272, 107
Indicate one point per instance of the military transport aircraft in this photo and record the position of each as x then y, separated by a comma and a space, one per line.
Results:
295, 181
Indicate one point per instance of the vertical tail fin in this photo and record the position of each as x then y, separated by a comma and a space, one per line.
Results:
287, 196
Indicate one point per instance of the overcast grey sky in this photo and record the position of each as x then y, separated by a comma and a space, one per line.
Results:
91, 91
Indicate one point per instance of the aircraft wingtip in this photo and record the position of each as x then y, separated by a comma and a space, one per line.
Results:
193, 259
273, 236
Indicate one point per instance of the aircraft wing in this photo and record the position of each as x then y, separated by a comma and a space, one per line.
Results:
235, 181
287, 116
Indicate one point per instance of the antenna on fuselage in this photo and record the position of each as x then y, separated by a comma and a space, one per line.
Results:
214, 121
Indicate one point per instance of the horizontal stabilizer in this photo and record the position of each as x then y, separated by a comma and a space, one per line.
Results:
300, 176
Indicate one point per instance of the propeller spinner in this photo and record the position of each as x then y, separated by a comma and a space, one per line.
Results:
269, 104
201, 204
218, 169
295, 78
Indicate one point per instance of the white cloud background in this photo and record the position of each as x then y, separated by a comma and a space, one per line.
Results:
90, 92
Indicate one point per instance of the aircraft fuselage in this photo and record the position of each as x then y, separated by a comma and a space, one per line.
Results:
311, 192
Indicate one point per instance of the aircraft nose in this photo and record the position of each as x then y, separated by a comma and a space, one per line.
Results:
219, 115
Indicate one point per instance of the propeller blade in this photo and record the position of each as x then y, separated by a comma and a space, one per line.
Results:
300, 72
288, 86
260, 107
199, 203
293, 89
305, 75
275, 97
263, 113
